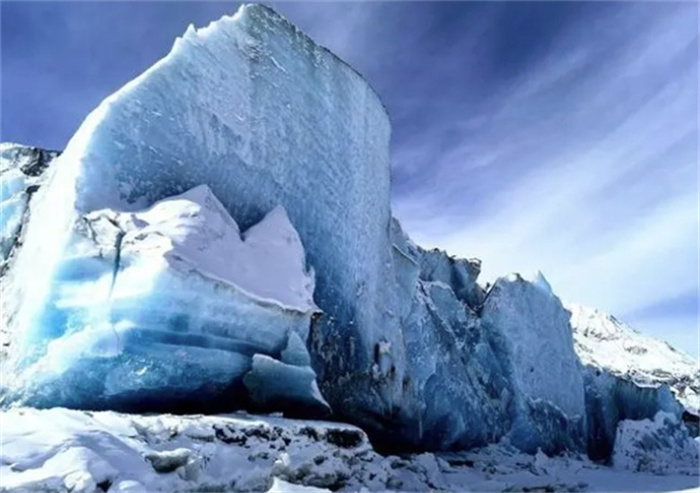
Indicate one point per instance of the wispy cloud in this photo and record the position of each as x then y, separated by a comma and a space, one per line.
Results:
586, 167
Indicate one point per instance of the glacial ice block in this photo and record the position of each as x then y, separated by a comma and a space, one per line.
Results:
277, 386
166, 307
457, 392
533, 339
611, 399
254, 109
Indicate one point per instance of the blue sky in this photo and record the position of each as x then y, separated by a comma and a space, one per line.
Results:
560, 136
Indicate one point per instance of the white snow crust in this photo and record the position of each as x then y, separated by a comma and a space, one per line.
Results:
81, 452
605, 342
194, 231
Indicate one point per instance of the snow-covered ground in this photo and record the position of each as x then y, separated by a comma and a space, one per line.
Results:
65, 451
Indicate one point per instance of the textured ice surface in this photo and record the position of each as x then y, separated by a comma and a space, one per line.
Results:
57, 450
534, 341
21, 173
257, 111
456, 392
168, 307
660, 445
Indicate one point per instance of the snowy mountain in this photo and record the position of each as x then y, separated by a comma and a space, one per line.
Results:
605, 342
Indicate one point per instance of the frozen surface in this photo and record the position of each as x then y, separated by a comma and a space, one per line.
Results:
660, 445
255, 110
59, 451
605, 342
502, 468
168, 307
22, 171
534, 341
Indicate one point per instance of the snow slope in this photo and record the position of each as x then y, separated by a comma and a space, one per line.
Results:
65, 451
62, 451
605, 342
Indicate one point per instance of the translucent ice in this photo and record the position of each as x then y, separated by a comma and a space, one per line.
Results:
531, 330
166, 307
255, 110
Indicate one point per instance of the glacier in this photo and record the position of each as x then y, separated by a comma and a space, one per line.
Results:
23, 171
217, 235
171, 308
252, 108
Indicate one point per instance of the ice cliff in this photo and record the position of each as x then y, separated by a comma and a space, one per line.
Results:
174, 308
217, 235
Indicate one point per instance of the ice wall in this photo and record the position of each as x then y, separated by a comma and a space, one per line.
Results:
409, 345
254, 109
169, 309
611, 399
531, 331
